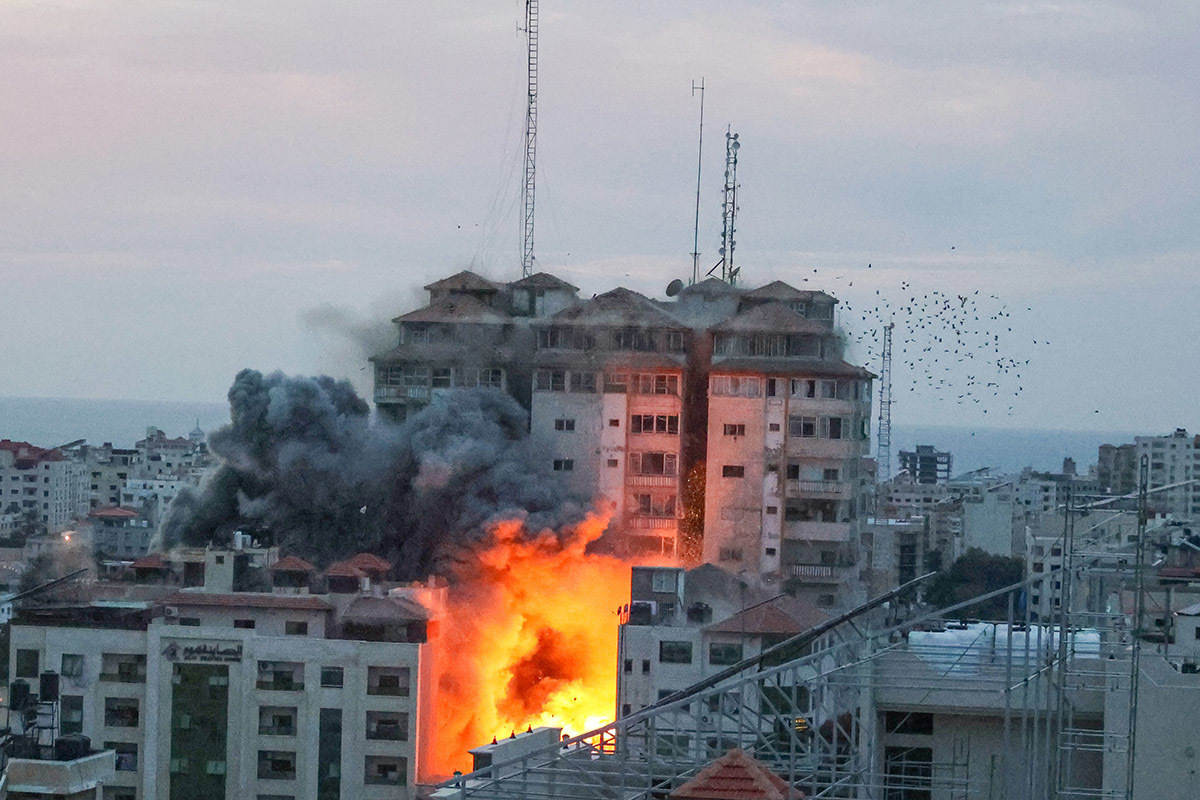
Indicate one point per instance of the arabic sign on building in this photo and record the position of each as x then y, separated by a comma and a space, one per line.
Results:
199, 651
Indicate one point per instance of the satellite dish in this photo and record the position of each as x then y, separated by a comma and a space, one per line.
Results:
674, 287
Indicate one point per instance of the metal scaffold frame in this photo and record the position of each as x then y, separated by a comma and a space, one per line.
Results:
812, 709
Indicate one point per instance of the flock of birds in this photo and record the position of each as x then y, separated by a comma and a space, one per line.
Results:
957, 346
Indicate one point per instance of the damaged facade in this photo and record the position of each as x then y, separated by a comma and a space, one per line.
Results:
739, 397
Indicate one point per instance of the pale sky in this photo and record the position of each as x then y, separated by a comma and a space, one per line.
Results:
183, 183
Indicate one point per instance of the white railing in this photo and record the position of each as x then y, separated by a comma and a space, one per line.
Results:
818, 487
651, 480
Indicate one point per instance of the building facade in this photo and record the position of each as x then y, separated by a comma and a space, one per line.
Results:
43, 484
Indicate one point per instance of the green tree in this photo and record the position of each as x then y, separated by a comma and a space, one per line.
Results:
975, 573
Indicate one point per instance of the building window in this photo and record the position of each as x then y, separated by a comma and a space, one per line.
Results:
123, 668
390, 726
653, 463
654, 423
331, 677
190, 622
655, 505
72, 665
628, 666
723, 653
772, 510
804, 427
612, 462
246, 624
443, 378
71, 713
773, 427
550, 380
294, 628
127, 755
735, 430
675, 652
388, 681
26, 664
564, 465
908, 723
645, 666
564, 424
583, 382
491, 378
832, 474
675, 341
734, 386
614, 423
663, 581
121, 712
277, 721
278, 765
770, 551
733, 471
385, 771
729, 554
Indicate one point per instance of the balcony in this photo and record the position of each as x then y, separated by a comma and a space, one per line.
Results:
651, 481
654, 523
816, 573
817, 531
829, 489
401, 392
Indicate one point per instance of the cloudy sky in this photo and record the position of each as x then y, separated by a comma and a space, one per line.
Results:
193, 187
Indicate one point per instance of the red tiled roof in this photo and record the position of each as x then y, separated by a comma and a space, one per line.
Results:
369, 562
343, 569
150, 561
465, 281
780, 615
302, 602
26, 454
114, 512
773, 317
292, 564
736, 776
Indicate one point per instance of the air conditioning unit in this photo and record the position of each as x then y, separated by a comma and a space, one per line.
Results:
170, 611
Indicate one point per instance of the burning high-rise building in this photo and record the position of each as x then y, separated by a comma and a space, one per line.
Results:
723, 425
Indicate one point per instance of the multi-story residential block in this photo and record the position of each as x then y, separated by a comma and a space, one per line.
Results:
109, 468
926, 464
608, 405
1116, 468
209, 692
1174, 466
685, 625
740, 397
41, 483
120, 532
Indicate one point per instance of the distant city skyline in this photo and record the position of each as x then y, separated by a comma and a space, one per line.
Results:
195, 189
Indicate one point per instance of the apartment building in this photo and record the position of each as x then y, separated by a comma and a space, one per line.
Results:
788, 430
45, 483
120, 532
1174, 466
208, 692
742, 395
607, 404
926, 464
686, 625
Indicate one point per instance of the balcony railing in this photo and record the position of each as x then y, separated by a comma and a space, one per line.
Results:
827, 488
817, 573
651, 480
401, 392
123, 677
654, 522
817, 531
281, 686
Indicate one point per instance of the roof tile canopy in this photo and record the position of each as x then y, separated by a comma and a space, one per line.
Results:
465, 281
620, 307
773, 317
783, 615
736, 776
292, 564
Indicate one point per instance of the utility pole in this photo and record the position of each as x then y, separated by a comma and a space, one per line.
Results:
531, 35
699, 164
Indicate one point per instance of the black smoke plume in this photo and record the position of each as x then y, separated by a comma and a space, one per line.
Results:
301, 459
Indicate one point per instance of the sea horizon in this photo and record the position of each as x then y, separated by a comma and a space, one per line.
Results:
54, 421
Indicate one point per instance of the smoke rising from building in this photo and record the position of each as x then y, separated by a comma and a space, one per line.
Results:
301, 459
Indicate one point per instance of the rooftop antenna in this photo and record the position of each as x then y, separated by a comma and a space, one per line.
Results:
883, 455
699, 164
729, 272
531, 36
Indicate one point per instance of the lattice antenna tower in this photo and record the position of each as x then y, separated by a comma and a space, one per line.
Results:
729, 272
883, 454
531, 36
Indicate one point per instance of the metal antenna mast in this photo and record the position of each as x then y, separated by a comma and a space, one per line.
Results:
699, 164
729, 272
531, 35
884, 453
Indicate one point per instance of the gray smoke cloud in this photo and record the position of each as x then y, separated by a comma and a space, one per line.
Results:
301, 458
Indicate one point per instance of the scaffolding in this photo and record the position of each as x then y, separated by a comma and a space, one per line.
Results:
839, 712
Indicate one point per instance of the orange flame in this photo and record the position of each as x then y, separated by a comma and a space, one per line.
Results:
530, 638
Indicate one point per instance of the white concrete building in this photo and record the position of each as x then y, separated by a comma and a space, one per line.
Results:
44, 483
211, 693
1173, 459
